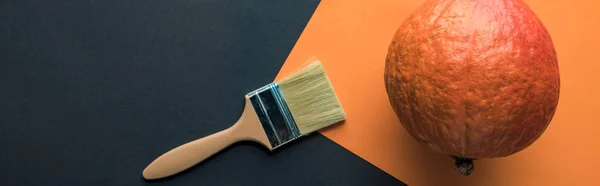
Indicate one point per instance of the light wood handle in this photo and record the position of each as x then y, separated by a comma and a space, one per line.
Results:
190, 154
187, 155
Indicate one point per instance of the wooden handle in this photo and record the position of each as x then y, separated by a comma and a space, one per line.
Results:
187, 155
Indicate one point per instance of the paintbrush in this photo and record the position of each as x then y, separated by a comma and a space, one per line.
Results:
274, 115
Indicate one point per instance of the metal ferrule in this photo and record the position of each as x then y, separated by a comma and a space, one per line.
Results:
274, 115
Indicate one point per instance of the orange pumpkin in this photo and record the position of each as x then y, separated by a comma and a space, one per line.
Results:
473, 79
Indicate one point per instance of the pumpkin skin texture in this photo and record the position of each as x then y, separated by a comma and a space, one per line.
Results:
473, 79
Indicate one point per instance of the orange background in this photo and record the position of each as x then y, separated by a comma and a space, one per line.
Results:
351, 39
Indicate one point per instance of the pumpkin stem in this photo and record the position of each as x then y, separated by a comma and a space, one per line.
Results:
464, 165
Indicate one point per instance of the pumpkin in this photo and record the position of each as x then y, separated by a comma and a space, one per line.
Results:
473, 79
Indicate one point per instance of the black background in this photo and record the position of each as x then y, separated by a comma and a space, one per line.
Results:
93, 91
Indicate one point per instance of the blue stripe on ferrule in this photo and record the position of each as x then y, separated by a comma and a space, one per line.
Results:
274, 115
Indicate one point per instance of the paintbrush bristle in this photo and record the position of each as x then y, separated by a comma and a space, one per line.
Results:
311, 98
